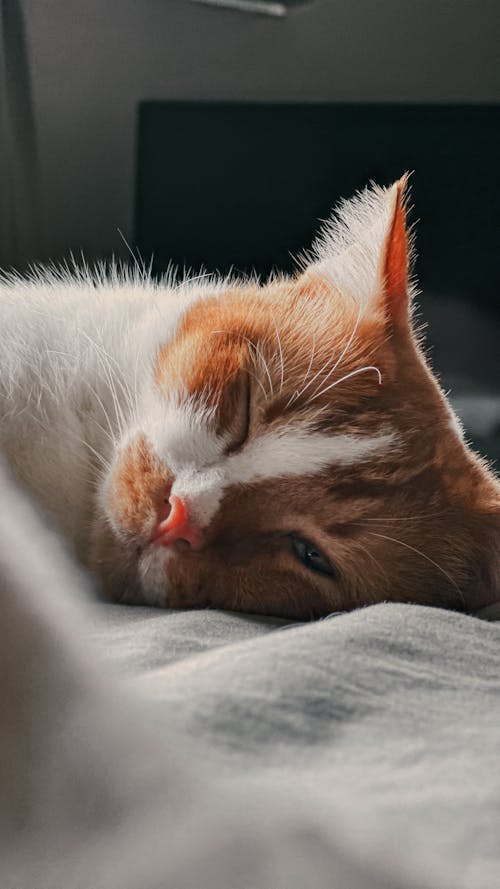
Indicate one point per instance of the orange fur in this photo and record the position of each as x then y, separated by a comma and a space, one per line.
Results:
396, 261
417, 523
138, 489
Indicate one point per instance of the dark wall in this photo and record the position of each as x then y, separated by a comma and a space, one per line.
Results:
93, 62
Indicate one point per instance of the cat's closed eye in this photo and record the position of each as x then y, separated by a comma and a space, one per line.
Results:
312, 557
239, 411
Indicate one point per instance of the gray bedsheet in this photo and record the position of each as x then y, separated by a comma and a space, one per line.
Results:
143, 749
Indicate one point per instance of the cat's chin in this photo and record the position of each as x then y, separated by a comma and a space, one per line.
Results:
125, 572
152, 575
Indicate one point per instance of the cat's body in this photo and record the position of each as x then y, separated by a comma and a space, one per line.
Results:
280, 448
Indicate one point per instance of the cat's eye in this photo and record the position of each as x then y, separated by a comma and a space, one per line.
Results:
238, 397
311, 557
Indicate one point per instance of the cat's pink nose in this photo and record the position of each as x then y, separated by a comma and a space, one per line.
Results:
177, 526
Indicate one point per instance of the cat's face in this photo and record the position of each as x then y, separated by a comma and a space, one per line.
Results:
293, 454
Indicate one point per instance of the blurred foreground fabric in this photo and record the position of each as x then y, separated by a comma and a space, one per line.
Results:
143, 749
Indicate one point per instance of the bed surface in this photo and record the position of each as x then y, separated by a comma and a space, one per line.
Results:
387, 719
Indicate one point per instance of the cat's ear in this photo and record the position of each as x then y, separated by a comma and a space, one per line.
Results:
395, 271
364, 253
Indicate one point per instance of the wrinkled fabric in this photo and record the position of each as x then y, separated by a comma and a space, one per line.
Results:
208, 750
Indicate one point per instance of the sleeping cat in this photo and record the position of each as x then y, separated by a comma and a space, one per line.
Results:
279, 448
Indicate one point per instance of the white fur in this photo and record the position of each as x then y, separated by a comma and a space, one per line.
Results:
182, 438
153, 574
77, 350
349, 251
289, 452
301, 452
180, 432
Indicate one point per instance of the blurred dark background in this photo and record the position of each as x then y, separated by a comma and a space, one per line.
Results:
244, 185
220, 138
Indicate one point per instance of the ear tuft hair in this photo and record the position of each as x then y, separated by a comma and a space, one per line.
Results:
365, 250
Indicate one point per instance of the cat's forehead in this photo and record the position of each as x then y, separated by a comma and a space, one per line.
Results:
254, 351
289, 336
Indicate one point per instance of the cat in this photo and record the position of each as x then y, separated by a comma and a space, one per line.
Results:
277, 447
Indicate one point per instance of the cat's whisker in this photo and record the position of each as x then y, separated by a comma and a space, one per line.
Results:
102, 460
311, 381
41, 383
308, 371
136, 378
344, 351
110, 433
380, 568
321, 370
120, 417
107, 361
106, 464
111, 438
419, 552
412, 518
111, 380
353, 373
186, 280
280, 348
258, 353
259, 383
262, 357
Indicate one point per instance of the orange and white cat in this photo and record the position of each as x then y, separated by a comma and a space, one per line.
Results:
279, 448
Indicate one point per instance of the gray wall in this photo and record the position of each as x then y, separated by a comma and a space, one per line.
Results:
93, 61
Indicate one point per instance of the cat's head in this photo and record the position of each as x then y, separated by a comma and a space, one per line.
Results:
292, 453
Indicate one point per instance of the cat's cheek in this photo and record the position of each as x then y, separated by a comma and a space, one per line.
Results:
209, 581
